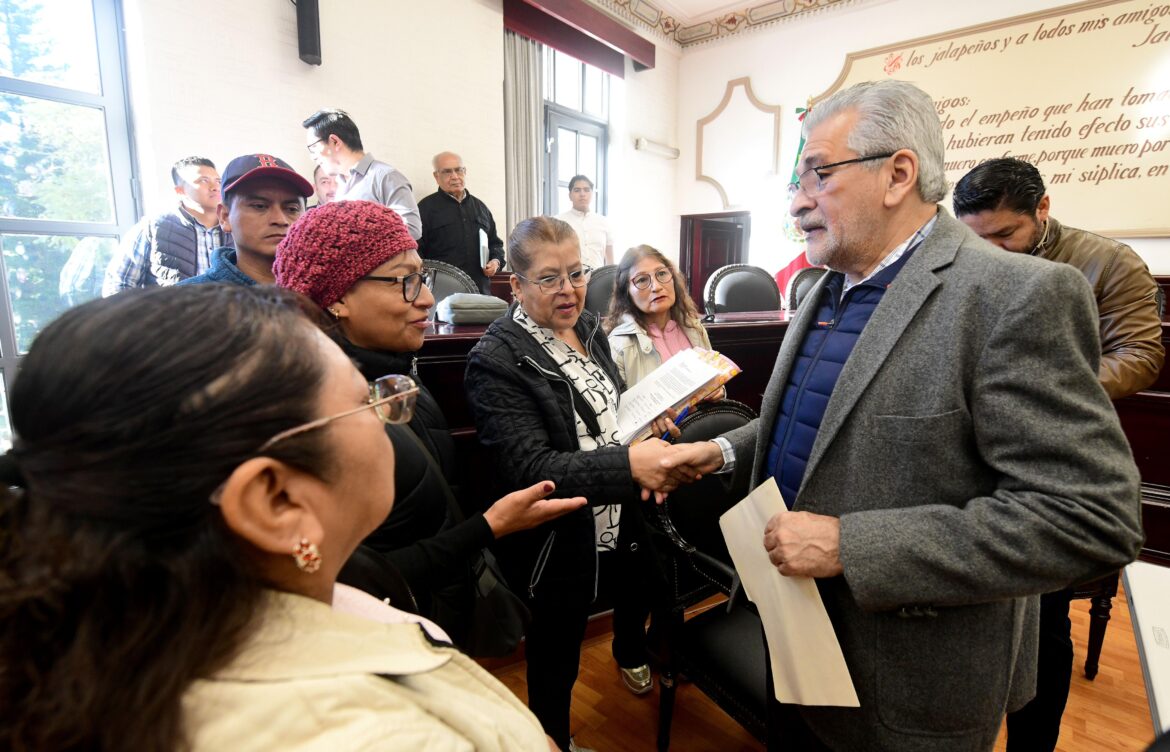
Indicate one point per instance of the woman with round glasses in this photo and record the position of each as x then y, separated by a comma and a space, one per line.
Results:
175, 512
651, 316
545, 390
357, 261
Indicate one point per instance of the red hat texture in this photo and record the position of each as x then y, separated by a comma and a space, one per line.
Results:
334, 245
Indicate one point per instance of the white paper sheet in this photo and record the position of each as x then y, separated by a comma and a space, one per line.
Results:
672, 382
484, 250
1147, 588
807, 665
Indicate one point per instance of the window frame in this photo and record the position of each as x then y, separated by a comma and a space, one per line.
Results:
112, 101
557, 116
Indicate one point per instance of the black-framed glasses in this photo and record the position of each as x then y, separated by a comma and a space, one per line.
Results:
412, 284
642, 281
310, 146
392, 399
812, 180
551, 285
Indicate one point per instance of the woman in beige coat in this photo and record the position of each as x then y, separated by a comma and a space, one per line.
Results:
175, 512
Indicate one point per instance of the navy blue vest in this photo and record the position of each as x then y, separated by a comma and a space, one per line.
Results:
827, 345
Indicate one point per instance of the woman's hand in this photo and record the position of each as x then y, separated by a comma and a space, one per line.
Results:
665, 424
527, 508
649, 471
715, 396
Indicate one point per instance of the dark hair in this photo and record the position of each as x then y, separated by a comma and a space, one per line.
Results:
999, 183
576, 178
334, 122
315, 171
120, 582
528, 233
186, 161
683, 312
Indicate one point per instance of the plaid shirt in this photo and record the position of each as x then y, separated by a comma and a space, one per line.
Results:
911, 243
131, 267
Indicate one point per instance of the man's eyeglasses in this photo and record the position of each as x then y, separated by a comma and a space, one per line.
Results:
449, 171
392, 399
553, 284
642, 281
310, 146
812, 180
411, 284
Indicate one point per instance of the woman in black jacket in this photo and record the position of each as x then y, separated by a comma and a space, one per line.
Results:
544, 391
357, 261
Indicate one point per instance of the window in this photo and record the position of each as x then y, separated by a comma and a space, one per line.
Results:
575, 127
65, 165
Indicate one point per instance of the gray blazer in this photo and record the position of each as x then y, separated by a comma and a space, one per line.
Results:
975, 462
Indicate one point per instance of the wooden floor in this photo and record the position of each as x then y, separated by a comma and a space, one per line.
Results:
1108, 713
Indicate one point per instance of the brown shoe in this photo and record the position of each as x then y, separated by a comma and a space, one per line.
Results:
638, 680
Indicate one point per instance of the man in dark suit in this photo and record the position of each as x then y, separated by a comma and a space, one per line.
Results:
935, 423
457, 227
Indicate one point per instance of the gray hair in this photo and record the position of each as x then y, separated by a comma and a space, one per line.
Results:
435, 159
892, 115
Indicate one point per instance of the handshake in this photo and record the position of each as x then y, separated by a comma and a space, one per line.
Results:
659, 468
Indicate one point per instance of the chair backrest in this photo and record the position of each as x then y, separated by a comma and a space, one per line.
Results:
693, 510
740, 287
801, 283
600, 289
448, 280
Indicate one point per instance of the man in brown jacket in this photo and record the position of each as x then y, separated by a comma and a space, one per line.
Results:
1004, 201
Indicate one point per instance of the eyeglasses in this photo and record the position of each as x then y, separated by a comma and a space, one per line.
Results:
553, 284
812, 180
642, 281
411, 284
310, 146
449, 171
391, 397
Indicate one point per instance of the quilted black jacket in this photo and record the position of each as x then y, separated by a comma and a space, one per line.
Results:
523, 409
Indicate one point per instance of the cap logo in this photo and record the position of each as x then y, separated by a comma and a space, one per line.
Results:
266, 161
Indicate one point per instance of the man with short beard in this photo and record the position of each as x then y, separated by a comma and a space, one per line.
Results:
1005, 202
935, 423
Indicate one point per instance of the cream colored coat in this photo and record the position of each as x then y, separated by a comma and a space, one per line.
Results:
634, 353
313, 679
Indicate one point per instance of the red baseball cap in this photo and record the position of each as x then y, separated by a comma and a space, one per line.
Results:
264, 165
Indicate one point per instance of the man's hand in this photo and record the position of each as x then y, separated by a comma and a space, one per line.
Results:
527, 508
492, 267
694, 460
804, 544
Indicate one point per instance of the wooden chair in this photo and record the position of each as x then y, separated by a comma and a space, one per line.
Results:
1100, 592
447, 279
740, 287
721, 651
599, 291
801, 283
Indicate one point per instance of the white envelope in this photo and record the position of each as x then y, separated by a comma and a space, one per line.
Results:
807, 665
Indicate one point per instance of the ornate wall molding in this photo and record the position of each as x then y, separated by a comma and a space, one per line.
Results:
647, 16
756, 142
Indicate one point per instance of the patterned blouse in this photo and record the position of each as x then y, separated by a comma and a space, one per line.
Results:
591, 383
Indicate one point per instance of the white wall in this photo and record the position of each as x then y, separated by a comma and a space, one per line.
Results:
417, 77
222, 78
792, 61
641, 184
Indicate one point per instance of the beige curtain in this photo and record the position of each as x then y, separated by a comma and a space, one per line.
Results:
523, 126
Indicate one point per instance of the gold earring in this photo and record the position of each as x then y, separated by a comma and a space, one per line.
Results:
333, 312
306, 555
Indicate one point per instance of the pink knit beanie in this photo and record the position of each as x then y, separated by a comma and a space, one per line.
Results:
334, 245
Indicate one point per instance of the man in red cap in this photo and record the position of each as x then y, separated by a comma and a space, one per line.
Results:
262, 197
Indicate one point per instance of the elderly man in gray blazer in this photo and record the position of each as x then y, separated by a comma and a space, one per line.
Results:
935, 422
